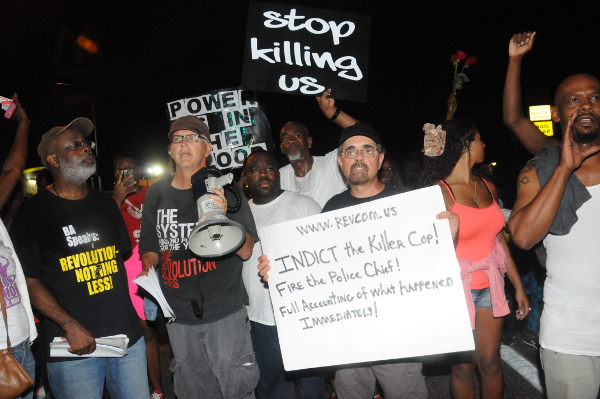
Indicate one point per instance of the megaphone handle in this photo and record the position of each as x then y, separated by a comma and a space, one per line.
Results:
231, 188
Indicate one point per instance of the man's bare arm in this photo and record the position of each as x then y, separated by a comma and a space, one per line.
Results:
526, 131
329, 109
149, 260
535, 208
15, 161
81, 342
246, 250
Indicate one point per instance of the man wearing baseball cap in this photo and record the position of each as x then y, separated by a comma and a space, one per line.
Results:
71, 240
210, 337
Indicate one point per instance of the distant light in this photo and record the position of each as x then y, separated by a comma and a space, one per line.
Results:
87, 44
156, 170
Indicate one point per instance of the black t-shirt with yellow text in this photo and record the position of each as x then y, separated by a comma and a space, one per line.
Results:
76, 248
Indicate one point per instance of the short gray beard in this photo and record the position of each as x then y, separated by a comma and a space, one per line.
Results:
297, 156
357, 180
77, 174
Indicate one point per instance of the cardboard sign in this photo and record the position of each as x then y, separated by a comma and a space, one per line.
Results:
375, 281
302, 50
237, 124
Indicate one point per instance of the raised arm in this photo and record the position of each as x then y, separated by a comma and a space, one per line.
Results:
122, 188
526, 131
15, 161
452, 106
535, 207
327, 105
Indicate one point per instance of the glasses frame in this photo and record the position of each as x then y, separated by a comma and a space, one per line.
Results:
362, 151
80, 145
189, 138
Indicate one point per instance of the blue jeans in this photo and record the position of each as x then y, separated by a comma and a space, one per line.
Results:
482, 298
126, 377
23, 354
273, 382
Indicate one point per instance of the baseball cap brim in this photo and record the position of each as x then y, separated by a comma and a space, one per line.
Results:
81, 125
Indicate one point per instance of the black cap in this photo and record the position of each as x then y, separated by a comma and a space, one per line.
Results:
359, 129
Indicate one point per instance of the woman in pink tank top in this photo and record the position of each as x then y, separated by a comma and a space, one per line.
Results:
452, 150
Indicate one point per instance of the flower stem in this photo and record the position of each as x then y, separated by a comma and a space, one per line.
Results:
454, 79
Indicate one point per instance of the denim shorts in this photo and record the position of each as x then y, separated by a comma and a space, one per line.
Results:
481, 298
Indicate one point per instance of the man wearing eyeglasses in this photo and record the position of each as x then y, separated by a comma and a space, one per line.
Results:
71, 240
360, 157
210, 337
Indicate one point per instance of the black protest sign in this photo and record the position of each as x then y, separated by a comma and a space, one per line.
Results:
236, 122
302, 50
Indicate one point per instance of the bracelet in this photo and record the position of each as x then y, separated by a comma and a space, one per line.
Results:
335, 114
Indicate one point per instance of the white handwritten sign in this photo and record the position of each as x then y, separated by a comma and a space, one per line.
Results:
236, 123
375, 281
303, 50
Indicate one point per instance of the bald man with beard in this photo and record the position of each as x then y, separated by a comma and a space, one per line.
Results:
558, 197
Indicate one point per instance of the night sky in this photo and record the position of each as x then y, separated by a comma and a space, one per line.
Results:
155, 52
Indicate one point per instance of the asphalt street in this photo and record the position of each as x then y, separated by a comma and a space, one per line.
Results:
523, 376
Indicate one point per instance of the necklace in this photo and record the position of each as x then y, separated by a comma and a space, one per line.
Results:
475, 199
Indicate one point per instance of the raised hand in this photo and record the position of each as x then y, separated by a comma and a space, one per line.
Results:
520, 44
123, 187
326, 104
452, 106
19, 114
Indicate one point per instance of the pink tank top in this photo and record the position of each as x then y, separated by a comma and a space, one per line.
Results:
477, 233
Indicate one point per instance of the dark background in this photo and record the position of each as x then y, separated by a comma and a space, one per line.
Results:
154, 52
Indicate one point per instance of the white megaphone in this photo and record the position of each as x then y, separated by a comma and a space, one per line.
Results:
215, 234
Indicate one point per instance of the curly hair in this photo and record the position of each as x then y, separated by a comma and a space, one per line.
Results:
459, 134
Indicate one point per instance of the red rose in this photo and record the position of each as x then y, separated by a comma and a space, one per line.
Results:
453, 58
471, 61
461, 55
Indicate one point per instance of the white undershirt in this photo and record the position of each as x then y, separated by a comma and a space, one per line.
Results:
322, 182
288, 206
571, 317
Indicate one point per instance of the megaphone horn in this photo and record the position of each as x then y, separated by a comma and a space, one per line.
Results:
215, 234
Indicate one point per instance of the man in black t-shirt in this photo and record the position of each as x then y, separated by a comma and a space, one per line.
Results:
360, 157
210, 337
71, 240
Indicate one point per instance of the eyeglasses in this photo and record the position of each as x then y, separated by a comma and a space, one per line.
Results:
367, 152
190, 138
80, 145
